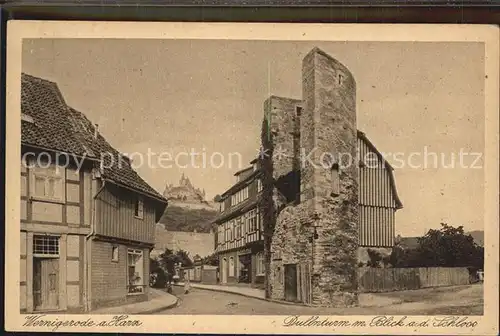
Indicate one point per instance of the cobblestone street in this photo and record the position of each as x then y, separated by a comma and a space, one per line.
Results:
200, 301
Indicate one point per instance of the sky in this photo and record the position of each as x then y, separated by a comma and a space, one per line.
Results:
206, 96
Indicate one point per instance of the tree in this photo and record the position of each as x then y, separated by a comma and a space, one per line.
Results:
157, 273
183, 257
447, 247
169, 258
375, 258
212, 260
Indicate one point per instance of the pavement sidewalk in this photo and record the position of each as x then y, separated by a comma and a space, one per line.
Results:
160, 300
245, 291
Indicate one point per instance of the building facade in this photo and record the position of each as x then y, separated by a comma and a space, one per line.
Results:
318, 214
87, 218
238, 237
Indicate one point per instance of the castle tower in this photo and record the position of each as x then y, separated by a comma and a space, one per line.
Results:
329, 181
312, 233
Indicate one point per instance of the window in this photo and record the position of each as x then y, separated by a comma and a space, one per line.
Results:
27, 118
335, 180
239, 196
259, 185
298, 111
47, 246
244, 225
135, 271
341, 79
114, 253
260, 264
252, 220
231, 267
261, 220
48, 183
220, 238
139, 208
239, 228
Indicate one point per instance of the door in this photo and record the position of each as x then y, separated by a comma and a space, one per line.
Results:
46, 283
224, 271
291, 282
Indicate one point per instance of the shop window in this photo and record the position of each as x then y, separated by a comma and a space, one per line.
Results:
135, 264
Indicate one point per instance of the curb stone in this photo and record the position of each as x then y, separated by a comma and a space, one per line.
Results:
159, 309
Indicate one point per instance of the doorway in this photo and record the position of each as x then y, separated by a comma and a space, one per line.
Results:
245, 272
291, 282
224, 271
45, 283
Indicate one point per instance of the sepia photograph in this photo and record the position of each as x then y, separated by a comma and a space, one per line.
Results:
306, 183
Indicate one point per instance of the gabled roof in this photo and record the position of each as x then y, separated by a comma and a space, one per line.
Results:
49, 126
116, 167
240, 184
390, 170
61, 128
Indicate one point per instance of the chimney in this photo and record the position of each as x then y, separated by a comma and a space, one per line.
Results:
96, 131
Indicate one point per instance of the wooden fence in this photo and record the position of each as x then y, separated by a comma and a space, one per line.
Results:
395, 279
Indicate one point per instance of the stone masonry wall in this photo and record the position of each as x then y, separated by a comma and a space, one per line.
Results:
278, 140
327, 125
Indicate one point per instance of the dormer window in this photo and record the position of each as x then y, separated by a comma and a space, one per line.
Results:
27, 118
335, 179
259, 185
139, 208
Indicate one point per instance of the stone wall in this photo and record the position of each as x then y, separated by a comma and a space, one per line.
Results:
193, 242
321, 231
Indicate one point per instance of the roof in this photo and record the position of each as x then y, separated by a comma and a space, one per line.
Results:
362, 136
240, 208
42, 101
62, 128
240, 184
239, 172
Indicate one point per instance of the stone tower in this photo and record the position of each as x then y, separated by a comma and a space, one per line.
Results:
330, 187
311, 234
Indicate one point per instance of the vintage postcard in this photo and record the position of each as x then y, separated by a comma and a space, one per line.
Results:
252, 178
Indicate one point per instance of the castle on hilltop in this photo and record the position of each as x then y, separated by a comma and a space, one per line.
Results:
185, 192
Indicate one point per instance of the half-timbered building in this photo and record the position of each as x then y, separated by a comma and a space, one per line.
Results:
238, 236
87, 218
